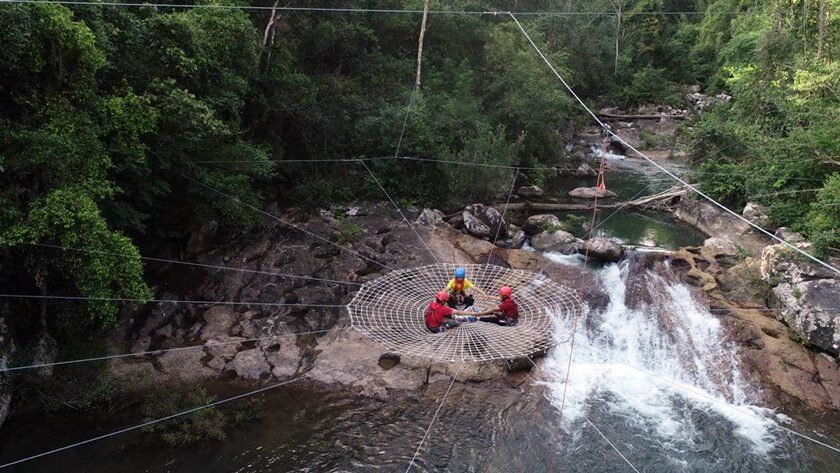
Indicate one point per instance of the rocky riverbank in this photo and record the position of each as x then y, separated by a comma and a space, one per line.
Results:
336, 354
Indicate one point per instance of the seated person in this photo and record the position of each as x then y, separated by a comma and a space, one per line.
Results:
439, 316
458, 286
507, 313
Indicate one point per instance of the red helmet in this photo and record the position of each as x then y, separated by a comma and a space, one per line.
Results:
443, 296
505, 291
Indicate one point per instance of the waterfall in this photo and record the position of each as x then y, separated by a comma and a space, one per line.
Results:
688, 375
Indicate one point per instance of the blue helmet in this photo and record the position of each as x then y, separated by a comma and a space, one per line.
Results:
460, 273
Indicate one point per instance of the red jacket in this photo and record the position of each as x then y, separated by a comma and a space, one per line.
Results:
436, 313
509, 309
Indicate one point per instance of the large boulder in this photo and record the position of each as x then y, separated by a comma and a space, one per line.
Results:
757, 214
591, 193
540, 223
603, 249
483, 221
430, 218
530, 192
806, 308
805, 296
556, 241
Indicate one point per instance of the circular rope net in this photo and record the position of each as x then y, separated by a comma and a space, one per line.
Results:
391, 309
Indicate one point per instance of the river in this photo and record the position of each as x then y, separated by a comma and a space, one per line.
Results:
686, 408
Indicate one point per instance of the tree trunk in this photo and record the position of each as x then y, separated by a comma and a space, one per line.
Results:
821, 36
268, 38
617, 32
420, 42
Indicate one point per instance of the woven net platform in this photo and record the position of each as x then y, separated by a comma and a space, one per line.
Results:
391, 308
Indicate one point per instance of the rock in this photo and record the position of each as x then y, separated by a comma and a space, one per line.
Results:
540, 223
250, 365
283, 355
355, 212
789, 235
218, 320
829, 371
781, 264
757, 214
809, 308
388, 360
483, 221
199, 240
711, 220
222, 351
694, 89
591, 193
603, 249
585, 170
530, 192
429, 218
457, 221
185, 365
556, 241
516, 240
721, 246
629, 135
806, 295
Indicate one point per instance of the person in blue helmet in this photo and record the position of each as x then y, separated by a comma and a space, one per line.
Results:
459, 287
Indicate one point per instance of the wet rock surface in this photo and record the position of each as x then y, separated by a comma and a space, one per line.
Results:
556, 241
604, 249
591, 193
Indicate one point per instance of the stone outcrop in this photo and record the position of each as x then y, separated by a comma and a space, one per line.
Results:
540, 223
430, 218
483, 221
530, 192
757, 214
604, 249
591, 193
806, 296
766, 348
555, 241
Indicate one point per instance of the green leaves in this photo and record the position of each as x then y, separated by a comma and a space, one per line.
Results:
69, 217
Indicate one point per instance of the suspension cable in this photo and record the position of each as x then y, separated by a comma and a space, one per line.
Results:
210, 344
661, 168
190, 263
434, 417
151, 422
278, 219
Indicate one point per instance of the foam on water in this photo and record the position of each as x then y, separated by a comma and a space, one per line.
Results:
654, 364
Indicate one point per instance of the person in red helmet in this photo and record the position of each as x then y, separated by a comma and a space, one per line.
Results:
439, 316
506, 313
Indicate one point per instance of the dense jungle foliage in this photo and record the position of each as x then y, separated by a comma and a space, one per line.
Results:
117, 124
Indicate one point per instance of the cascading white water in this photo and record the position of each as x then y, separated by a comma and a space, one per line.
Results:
685, 366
